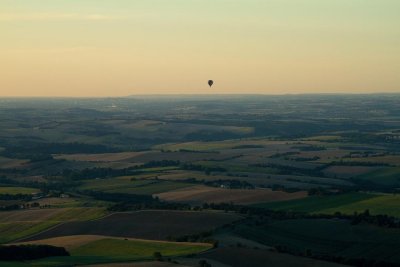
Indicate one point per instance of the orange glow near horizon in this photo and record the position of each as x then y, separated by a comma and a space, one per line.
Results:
119, 48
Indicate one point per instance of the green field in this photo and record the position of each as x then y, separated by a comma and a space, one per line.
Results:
377, 204
382, 204
128, 249
140, 167
117, 250
21, 224
315, 204
16, 230
334, 237
18, 190
387, 177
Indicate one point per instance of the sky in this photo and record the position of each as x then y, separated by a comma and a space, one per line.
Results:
125, 47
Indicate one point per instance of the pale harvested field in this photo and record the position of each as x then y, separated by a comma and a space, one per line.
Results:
202, 194
105, 157
322, 138
12, 163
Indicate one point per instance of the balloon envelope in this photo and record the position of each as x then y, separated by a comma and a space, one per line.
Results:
210, 82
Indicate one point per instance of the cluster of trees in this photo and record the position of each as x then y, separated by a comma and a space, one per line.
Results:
247, 146
228, 183
285, 154
367, 138
364, 217
158, 163
204, 263
155, 205
9, 207
319, 191
291, 170
310, 148
356, 163
30, 252
44, 187
204, 237
119, 197
204, 135
379, 220
304, 158
24, 197
192, 151
92, 173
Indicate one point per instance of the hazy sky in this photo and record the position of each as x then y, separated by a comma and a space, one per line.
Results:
124, 47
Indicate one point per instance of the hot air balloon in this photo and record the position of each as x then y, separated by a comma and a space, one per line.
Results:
210, 82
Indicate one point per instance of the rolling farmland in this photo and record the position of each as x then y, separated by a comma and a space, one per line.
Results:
100, 249
283, 180
19, 224
160, 225
350, 240
317, 204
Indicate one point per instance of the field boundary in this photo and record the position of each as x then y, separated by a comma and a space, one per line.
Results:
32, 235
125, 238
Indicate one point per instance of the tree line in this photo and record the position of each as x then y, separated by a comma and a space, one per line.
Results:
30, 252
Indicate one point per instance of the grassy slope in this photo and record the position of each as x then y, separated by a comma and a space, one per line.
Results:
159, 224
13, 230
390, 176
117, 250
384, 204
329, 237
17, 190
233, 256
317, 203
377, 204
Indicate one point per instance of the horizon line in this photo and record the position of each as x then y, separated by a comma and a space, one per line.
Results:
209, 94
